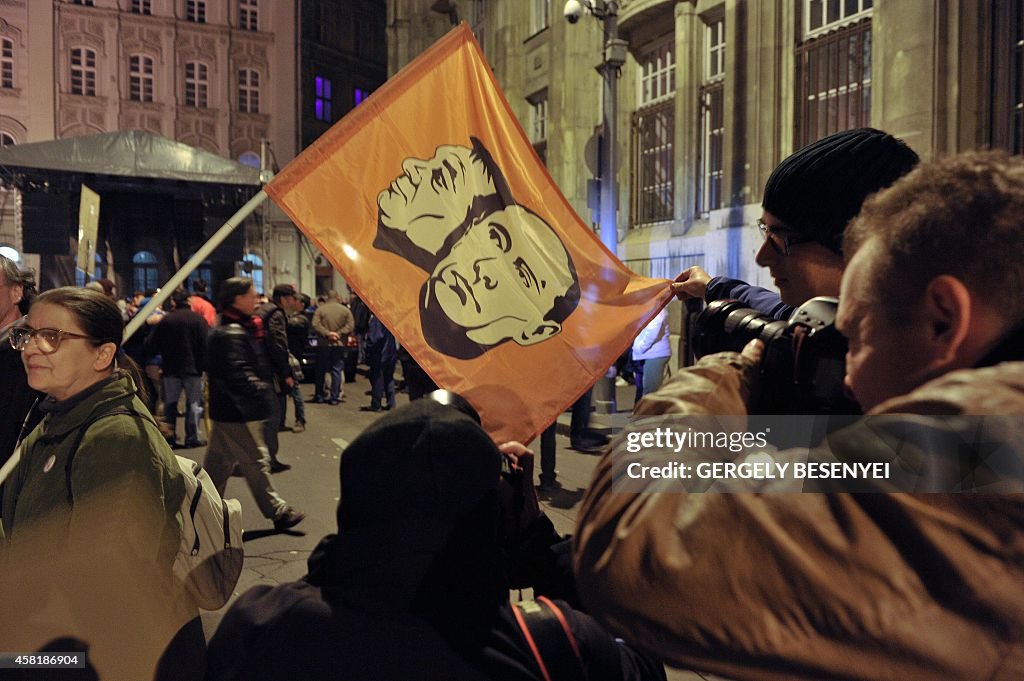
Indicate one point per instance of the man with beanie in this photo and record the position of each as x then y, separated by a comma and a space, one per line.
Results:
415, 583
808, 201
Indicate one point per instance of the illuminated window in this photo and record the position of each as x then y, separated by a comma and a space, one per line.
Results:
712, 112
195, 85
653, 132
359, 96
6, 63
322, 87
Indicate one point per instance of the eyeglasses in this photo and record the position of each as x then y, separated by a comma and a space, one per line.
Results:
781, 239
47, 340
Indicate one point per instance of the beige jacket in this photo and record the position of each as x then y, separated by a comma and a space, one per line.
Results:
333, 316
813, 586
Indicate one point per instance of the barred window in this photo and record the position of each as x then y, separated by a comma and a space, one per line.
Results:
712, 112
248, 15
83, 71
653, 133
249, 91
539, 123
196, 85
833, 69
195, 11
323, 100
142, 7
1007, 119
140, 78
654, 164
6, 63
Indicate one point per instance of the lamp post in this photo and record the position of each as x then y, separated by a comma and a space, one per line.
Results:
613, 57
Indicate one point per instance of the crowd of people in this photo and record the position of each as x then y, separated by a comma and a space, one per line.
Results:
436, 522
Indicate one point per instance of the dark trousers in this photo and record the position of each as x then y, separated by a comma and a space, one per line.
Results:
328, 358
417, 382
273, 421
382, 381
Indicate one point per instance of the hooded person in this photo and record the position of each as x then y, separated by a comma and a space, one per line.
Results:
809, 199
414, 585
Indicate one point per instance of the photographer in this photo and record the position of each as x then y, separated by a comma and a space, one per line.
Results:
852, 586
808, 200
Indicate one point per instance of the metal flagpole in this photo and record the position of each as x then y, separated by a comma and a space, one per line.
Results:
165, 292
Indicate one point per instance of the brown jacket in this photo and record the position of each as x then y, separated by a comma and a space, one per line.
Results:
915, 587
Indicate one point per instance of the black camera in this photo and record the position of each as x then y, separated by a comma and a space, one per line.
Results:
804, 359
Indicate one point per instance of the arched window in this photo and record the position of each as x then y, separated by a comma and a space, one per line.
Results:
83, 71
7, 139
196, 85
140, 78
96, 274
204, 272
144, 271
252, 267
248, 91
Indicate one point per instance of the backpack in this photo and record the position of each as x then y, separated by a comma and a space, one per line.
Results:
209, 558
550, 640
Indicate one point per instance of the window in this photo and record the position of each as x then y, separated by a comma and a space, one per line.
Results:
822, 16
249, 91
97, 272
142, 6
712, 112
833, 69
204, 273
538, 123
7, 139
658, 74
84, 3
322, 87
140, 78
540, 15
195, 11
252, 267
83, 72
6, 63
250, 158
248, 15
144, 271
365, 37
359, 96
1007, 122
195, 85
328, 24
653, 133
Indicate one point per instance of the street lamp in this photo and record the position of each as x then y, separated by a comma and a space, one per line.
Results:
613, 57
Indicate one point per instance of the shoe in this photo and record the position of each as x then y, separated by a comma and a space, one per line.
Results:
334, 403
195, 443
595, 436
317, 400
288, 517
549, 486
175, 445
586, 445
299, 427
369, 408
279, 466
388, 407
236, 472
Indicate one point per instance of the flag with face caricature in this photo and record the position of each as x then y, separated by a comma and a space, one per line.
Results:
431, 202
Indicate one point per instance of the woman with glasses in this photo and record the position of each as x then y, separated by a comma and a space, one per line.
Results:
90, 511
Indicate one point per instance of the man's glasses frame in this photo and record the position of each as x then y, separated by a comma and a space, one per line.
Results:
47, 340
780, 238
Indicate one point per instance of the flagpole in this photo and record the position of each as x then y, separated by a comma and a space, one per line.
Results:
195, 261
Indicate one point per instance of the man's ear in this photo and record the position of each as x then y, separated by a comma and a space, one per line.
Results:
948, 310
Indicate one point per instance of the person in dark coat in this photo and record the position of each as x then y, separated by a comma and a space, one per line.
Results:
16, 398
415, 584
180, 340
381, 355
275, 343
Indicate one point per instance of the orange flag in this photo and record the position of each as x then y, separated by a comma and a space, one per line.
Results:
431, 202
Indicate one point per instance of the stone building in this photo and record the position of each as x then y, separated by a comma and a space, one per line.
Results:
714, 93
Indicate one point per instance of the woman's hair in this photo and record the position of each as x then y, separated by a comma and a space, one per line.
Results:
231, 289
12, 275
99, 318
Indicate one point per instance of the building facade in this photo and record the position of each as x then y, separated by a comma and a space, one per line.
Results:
714, 93
219, 75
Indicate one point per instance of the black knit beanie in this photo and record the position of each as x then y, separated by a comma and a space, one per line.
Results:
820, 188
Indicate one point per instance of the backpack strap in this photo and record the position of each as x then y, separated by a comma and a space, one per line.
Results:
550, 640
118, 411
